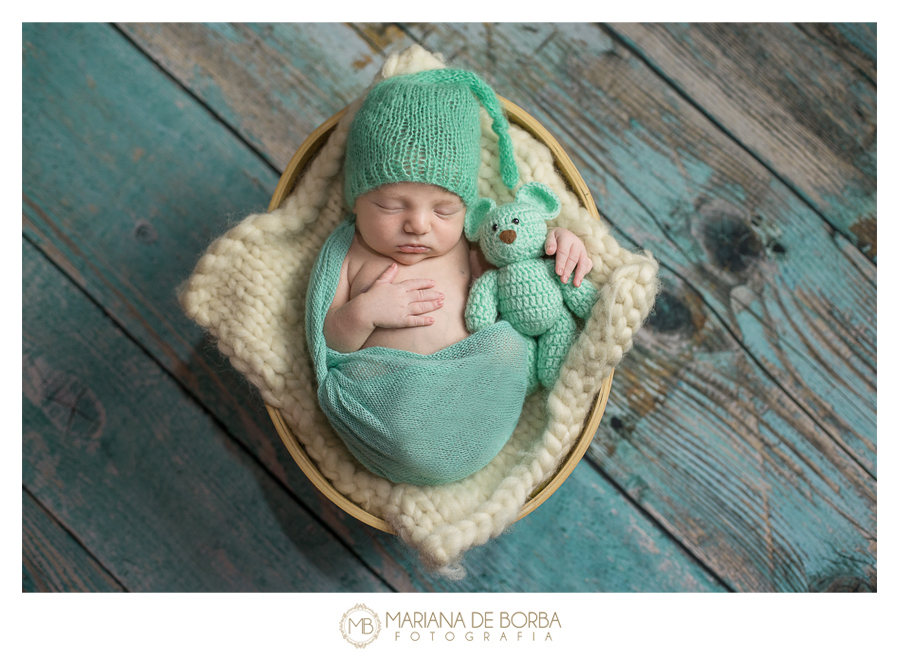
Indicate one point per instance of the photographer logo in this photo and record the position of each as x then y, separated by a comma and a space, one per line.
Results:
360, 626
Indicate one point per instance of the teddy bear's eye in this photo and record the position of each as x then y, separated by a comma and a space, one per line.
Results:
495, 227
515, 220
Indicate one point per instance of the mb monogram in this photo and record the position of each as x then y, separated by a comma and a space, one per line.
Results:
360, 626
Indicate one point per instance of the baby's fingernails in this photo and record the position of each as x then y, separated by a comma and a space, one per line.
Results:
559, 270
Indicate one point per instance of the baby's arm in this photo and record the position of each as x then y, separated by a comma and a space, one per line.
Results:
387, 305
571, 254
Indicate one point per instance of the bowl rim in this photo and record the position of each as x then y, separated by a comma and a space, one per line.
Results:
301, 158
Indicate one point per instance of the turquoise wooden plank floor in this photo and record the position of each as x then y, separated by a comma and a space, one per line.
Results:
738, 449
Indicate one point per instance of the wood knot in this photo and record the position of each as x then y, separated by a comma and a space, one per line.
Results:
678, 315
670, 314
145, 232
731, 244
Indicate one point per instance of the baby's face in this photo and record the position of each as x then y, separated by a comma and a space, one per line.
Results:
410, 222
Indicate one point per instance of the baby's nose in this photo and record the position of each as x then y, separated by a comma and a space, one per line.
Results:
417, 223
507, 237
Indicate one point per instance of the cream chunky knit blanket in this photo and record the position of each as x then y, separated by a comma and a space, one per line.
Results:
249, 291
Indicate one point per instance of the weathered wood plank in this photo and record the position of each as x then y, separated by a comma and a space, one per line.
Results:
249, 75
856, 43
588, 538
731, 466
29, 581
52, 561
743, 258
114, 448
135, 287
793, 102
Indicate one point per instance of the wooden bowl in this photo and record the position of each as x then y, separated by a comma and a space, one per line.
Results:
576, 183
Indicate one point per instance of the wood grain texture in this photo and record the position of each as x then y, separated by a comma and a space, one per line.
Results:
52, 560
792, 100
731, 466
856, 43
787, 363
152, 487
132, 276
248, 74
588, 538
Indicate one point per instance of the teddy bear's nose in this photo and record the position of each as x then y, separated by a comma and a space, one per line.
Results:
508, 237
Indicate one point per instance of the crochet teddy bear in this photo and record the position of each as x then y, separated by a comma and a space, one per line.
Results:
524, 289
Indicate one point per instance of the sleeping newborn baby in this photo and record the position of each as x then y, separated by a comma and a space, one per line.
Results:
406, 277
415, 397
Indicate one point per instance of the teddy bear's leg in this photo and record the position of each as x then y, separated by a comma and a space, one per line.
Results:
553, 346
533, 381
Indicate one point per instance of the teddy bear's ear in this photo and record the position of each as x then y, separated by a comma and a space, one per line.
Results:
476, 214
541, 197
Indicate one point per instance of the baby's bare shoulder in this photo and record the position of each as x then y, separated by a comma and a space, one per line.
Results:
362, 266
354, 262
342, 292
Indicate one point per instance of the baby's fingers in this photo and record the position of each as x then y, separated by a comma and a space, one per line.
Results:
585, 265
417, 308
418, 321
388, 275
424, 295
565, 262
550, 245
418, 284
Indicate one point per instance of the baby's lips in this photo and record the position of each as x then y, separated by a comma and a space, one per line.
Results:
413, 248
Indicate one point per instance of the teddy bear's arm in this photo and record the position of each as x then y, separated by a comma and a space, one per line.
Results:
481, 308
579, 299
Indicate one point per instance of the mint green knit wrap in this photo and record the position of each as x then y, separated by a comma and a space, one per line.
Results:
425, 128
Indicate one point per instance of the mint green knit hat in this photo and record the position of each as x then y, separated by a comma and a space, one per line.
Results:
425, 128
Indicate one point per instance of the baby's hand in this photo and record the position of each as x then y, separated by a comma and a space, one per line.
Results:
395, 305
571, 254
